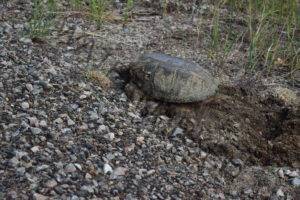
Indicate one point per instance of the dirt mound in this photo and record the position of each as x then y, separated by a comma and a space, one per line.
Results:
239, 123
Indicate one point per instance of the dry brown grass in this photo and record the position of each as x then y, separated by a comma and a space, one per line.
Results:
100, 78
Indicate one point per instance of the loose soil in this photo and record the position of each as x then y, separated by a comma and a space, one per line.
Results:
239, 123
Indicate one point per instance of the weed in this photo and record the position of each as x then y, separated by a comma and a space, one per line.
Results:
215, 30
76, 4
128, 8
42, 18
164, 5
271, 30
97, 10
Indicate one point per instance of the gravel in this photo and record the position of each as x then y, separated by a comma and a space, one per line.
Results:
62, 136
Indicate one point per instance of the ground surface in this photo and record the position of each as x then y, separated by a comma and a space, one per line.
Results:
64, 134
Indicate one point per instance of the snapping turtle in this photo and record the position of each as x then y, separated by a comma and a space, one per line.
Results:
172, 79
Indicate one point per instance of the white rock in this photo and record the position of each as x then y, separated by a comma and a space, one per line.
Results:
70, 122
78, 166
110, 136
25, 40
280, 193
120, 171
25, 105
140, 140
178, 158
43, 123
280, 173
150, 172
296, 181
102, 128
203, 154
35, 149
292, 173
82, 96
107, 169
29, 87
42, 167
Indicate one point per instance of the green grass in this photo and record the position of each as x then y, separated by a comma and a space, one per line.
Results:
42, 18
97, 10
271, 31
269, 34
128, 8
76, 4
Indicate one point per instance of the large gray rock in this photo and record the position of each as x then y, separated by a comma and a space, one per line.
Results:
172, 79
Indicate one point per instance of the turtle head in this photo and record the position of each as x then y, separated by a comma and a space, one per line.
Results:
139, 74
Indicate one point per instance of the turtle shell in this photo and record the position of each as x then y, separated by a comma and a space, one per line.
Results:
172, 79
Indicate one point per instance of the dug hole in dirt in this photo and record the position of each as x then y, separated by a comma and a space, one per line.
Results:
241, 123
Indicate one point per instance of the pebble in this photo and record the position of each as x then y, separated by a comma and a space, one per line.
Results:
110, 136
178, 158
70, 122
25, 105
292, 173
177, 131
58, 121
203, 154
102, 128
140, 140
43, 123
237, 162
107, 169
14, 161
280, 193
37, 196
280, 173
78, 166
35, 130
35, 149
25, 40
295, 182
83, 127
70, 168
151, 172
93, 116
21, 170
33, 121
29, 87
248, 191
120, 171
51, 184
87, 188
42, 167
88, 176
